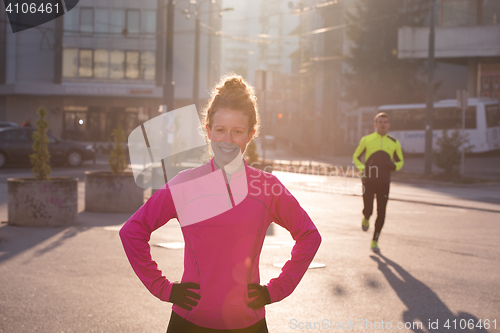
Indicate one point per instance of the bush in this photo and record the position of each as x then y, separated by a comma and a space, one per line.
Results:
117, 158
447, 156
40, 159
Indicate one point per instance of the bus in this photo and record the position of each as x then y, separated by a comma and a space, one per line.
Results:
482, 123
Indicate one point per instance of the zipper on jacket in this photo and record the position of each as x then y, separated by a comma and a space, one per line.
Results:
231, 200
228, 190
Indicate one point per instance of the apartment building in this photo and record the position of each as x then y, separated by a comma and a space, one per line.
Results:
466, 34
102, 63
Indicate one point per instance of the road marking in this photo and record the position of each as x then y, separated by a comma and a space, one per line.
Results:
113, 228
171, 245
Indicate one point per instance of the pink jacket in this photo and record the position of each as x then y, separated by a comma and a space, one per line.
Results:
224, 228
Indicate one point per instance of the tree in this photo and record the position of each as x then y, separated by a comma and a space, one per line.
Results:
448, 154
375, 75
117, 158
40, 159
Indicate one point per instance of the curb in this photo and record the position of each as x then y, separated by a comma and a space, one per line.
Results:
438, 204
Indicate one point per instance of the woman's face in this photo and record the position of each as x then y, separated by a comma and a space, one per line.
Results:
229, 134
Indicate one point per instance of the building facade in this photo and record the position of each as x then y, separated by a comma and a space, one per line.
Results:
255, 37
466, 34
103, 63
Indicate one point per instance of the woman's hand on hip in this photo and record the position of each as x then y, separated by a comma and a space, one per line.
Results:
261, 295
181, 296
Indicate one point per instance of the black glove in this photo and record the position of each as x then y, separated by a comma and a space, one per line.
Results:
181, 296
262, 296
392, 166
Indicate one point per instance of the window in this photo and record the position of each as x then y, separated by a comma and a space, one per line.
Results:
101, 64
132, 65
101, 21
133, 21
117, 22
108, 64
491, 12
492, 115
451, 118
16, 135
470, 118
148, 22
117, 62
456, 13
75, 126
444, 118
409, 119
148, 65
448, 118
85, 68
69, 122
86, 21
131, 120
26, 135
70, 63
71, 20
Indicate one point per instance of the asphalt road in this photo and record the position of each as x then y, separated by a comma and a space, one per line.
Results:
440, 263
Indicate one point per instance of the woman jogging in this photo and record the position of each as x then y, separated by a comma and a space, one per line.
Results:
224, 208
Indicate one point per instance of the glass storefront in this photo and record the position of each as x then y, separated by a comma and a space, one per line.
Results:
95, 124
489, 80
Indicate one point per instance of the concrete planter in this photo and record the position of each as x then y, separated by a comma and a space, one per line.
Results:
42, 203
109, 193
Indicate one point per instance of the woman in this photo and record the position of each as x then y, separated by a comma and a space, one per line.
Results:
224, 208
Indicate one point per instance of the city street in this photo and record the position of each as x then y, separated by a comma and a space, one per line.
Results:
439, 264
305, 90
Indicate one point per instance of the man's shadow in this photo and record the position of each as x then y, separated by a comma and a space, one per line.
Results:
423, 304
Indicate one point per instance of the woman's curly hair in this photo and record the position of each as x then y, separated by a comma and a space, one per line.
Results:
232, 92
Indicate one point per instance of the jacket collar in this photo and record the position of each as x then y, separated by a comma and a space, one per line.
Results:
380, 136
216, 167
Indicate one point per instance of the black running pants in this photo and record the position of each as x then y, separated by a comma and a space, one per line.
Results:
380, 189
178, 324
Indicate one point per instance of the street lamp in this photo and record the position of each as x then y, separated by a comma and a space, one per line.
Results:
196, 72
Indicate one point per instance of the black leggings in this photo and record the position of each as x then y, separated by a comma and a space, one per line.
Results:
381, 190
178, 324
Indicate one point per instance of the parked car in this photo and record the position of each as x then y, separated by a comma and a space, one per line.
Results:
269, 141
16, 146
4, 124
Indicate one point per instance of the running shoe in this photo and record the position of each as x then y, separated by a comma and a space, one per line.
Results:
365, 224
375, 247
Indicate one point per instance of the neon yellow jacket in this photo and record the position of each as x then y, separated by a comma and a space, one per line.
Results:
383, 154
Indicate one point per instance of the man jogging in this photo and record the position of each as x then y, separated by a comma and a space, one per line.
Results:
383, 154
